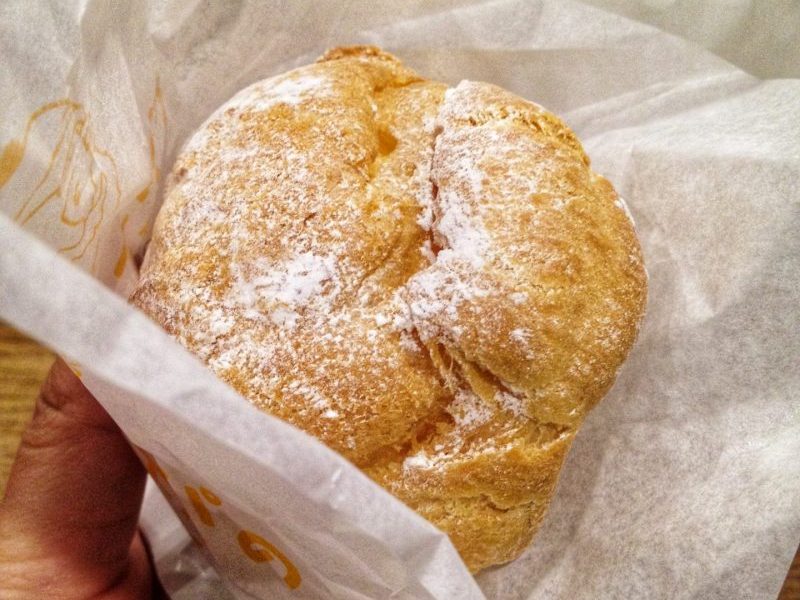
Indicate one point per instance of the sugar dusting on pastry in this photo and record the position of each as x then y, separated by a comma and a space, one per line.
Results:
281, 290
429, 280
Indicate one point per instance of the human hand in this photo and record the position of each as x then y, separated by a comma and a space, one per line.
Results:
68, 521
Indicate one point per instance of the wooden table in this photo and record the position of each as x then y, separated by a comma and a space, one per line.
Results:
23, 366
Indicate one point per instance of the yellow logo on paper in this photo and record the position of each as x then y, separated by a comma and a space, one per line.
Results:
254, 546
257, 549
79, 184
80, 178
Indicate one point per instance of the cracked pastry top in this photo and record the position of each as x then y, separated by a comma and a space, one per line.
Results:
430, 280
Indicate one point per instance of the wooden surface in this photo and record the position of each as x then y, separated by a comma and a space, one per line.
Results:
23, 366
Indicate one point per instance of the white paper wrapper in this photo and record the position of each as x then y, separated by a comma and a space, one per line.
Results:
684, 482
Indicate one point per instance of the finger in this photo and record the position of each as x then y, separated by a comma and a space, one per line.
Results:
73, 496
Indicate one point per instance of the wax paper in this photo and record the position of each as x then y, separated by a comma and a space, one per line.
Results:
683, 483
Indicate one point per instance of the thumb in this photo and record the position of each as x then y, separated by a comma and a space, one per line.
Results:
71, 508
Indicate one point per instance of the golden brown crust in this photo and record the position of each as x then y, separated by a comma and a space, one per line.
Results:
431, 281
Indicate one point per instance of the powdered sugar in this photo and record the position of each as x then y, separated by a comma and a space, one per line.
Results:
289, 90
519, 297
427, 251
408, 343
511, 403
424, 190
463, 238
520, 335
297, 280
312, 394
419, 461
442, 458
286, 287
468, 409
434, 295
220, 323
459, 178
